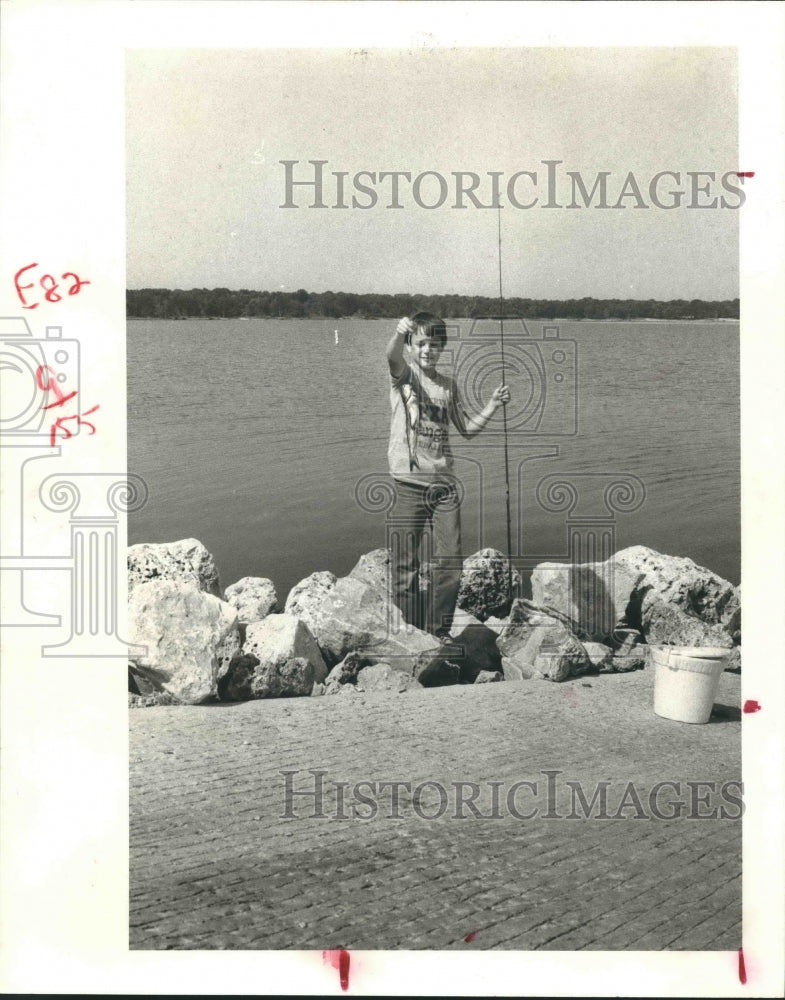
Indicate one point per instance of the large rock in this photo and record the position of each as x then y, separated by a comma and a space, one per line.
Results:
630, 652
186, 561
497, 625
373, 569
227, 649
381, 678
307, 595
486, 677
247, 678
478, 643
594, 597
680, 583
254, 597
183, 629
275, 642
347, 670
348, 615
666, 625
485, 584
669, 598
599, 654
537, 645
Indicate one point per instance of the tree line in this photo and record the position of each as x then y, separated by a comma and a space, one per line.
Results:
225, 303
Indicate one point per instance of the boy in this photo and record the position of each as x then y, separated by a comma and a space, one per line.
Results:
423, 404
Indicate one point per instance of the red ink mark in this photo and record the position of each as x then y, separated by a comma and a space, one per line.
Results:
470, 937
59, 425
78, 282
742, 968
745, 173
49, 288
47, 284
751, 706
339, 960
20, 288
51, 386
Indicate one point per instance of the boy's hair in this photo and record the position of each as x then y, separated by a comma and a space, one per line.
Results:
430, 326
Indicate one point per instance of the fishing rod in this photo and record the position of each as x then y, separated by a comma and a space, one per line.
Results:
504, 414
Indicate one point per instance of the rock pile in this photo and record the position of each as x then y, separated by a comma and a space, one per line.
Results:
345, 635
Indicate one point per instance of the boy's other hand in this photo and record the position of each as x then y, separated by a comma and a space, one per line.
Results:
501, 396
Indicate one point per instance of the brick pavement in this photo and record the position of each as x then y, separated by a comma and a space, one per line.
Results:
216, 864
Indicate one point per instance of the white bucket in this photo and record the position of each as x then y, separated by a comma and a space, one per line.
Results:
686, 679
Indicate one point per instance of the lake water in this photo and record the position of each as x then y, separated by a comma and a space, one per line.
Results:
252, 436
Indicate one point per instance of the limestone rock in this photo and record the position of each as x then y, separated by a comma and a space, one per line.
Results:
254, 597
185, 561
478, 643
182, 628
538, 645
624, 664
383, 678
141, 685
680, 583
347, 670
154, 700
599, 654
667, 625
516, 670
227, 649
308, 593
497, 625
279, 645
485, 589
373, 569
734, 660
278, 678
670, 598
488, 677
350, 616
596, 597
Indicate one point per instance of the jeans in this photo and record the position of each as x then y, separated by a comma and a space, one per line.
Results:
417, 507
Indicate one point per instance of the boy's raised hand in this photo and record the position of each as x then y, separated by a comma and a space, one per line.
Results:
501, 395
405, 327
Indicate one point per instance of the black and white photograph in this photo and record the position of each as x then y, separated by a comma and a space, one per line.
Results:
409, 446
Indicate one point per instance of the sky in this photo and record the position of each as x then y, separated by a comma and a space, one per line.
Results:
206, 131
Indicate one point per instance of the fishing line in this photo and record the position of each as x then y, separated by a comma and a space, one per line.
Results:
504, 413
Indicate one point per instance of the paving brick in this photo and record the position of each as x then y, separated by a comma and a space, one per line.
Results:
215, 863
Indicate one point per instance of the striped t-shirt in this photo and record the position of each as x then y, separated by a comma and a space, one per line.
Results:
422, 407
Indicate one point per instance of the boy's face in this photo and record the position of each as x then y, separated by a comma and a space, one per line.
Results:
425, 350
